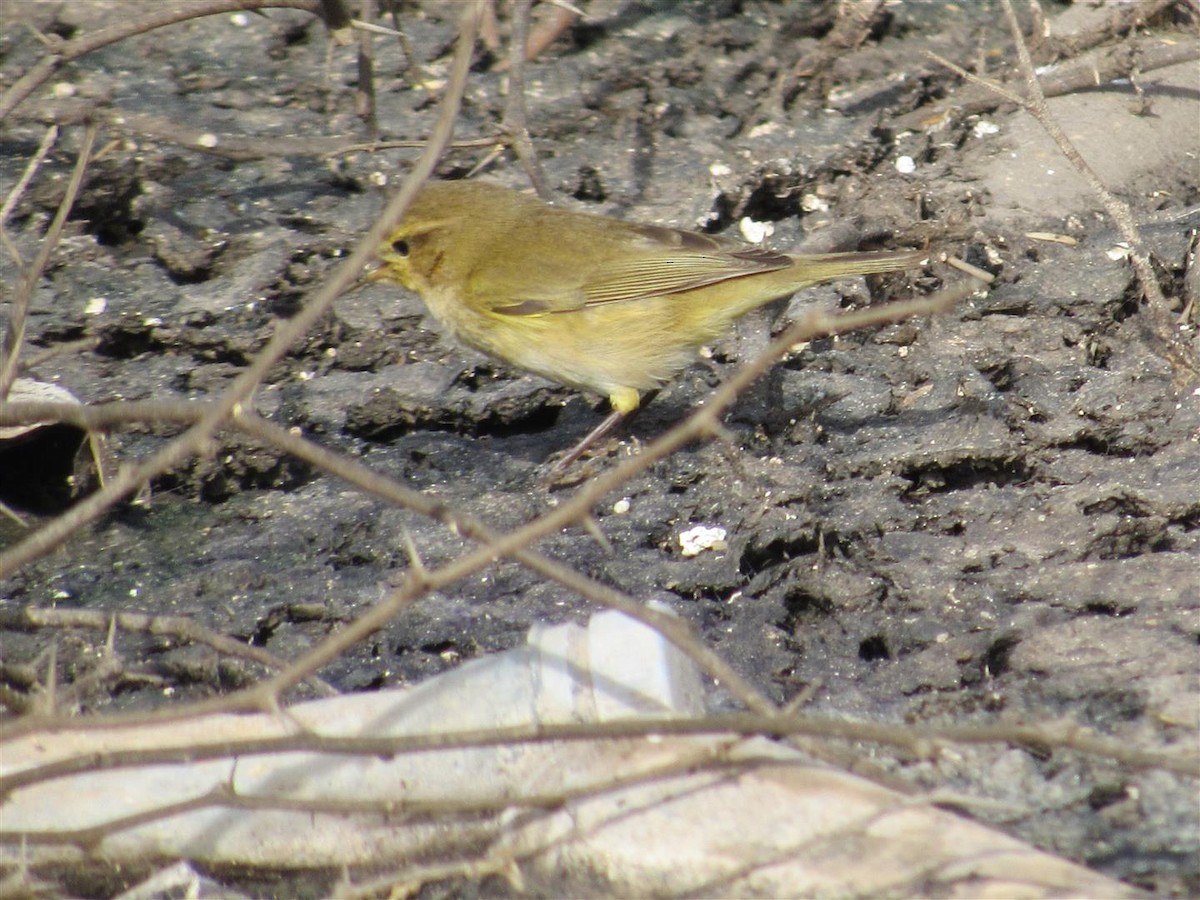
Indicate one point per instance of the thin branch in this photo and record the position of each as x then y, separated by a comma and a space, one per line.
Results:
1082, 74
921, 742
365, 95
10, 352
238, 147
516, 121
30, 618
33, 360
18, 189
550, 31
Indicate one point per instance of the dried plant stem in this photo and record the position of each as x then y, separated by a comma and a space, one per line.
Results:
18, 190
365, 97
10, 351
30, 618
922, 742
550, 31
238, 147
516, 120
1068, 78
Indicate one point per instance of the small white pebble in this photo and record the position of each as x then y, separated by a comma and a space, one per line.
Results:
755, 232
983, 128
208, 139
621, 506
241, 20
719, 170
906, 165
95, 306
812, 203
63, 89
152, 321
699, 538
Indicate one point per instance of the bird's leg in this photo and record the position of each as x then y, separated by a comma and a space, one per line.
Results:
624, 401
611, 421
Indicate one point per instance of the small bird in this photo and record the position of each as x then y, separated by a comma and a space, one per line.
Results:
592, 302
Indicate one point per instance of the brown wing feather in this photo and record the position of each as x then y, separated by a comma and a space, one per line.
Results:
673, 273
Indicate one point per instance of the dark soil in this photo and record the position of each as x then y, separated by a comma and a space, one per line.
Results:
989, 517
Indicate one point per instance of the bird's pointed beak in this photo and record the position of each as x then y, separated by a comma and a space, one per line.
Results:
377, 272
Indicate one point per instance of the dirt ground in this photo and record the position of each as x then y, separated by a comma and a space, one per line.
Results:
993, 516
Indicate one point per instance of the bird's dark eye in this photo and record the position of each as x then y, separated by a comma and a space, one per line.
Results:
400, 247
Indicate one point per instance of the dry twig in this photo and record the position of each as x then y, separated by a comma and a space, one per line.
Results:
11, 350
516, 120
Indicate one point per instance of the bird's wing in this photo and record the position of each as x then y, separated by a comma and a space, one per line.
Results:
651, 262
665, 273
